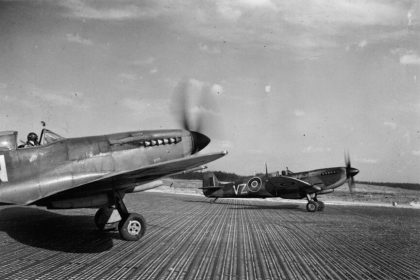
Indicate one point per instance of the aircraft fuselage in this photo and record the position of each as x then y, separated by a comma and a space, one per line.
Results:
29, 174
324, 181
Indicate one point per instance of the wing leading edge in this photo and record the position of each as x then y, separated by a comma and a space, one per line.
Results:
127, 180
167, 168
290, 184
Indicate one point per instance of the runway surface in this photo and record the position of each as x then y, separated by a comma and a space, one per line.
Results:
189, 238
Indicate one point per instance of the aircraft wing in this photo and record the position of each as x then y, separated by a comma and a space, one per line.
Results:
158, 170
129, 180
290, 185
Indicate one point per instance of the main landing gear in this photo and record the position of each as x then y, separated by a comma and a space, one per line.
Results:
131, 226
314, 204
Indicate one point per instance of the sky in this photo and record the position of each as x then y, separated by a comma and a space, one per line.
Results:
291, 83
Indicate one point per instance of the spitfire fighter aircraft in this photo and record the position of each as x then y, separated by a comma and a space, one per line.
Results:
290, 185
97, 171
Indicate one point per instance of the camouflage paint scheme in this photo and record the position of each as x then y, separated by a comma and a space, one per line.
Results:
289, 185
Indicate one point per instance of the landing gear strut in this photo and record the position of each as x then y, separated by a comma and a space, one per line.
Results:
314, 204
131, 226
107, 218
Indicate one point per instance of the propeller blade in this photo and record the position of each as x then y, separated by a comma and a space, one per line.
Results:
350, 173
180, 104
266, 170
351, 185
195, 105
347, 161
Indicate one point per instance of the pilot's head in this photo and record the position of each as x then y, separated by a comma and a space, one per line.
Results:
32, 137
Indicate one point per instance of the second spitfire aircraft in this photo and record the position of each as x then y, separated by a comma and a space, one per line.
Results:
97, 171
289, 185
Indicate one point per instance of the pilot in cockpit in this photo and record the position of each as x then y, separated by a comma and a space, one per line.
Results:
32, 140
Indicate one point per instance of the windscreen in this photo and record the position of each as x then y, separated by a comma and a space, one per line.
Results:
47, 137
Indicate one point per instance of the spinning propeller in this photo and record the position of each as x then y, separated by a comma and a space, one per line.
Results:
350, 172
195, 110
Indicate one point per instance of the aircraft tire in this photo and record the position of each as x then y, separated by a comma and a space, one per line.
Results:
133, 227
321, 206
312, 206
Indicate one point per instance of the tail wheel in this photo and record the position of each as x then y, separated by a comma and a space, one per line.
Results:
133, 227
312, 206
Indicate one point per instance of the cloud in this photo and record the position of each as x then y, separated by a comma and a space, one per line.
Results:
228, 11
219, 144
255, 3
407, 137
153, 71
59, 99
413, 14
217, 89
306, 28
127, 77
207, 49
392, 125
311, 149
110, 10
366, 160
410, 59
201, 96
299, 113
416, 152
145, 107
267, 88
136, 105
145, 61
362, 44
256, 151
407, 57
8, 98
76, 38
198, 86
345, 12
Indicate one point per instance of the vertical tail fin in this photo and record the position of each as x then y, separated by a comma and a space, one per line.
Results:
210, 180
210, 183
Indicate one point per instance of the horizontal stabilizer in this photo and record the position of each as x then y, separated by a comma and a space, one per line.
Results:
211, 188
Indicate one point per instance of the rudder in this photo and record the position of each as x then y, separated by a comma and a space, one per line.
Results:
210, 183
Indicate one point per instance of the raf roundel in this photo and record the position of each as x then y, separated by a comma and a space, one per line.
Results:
254, 184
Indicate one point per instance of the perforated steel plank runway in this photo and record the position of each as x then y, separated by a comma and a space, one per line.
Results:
189, 238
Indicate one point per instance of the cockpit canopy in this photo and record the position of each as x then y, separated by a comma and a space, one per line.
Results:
8, 139
286, 172
48, 137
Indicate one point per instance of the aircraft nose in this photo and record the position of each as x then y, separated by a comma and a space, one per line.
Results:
200, 141
354, 171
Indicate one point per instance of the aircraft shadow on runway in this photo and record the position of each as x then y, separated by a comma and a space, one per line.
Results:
235, 205
269, 207
43, 229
